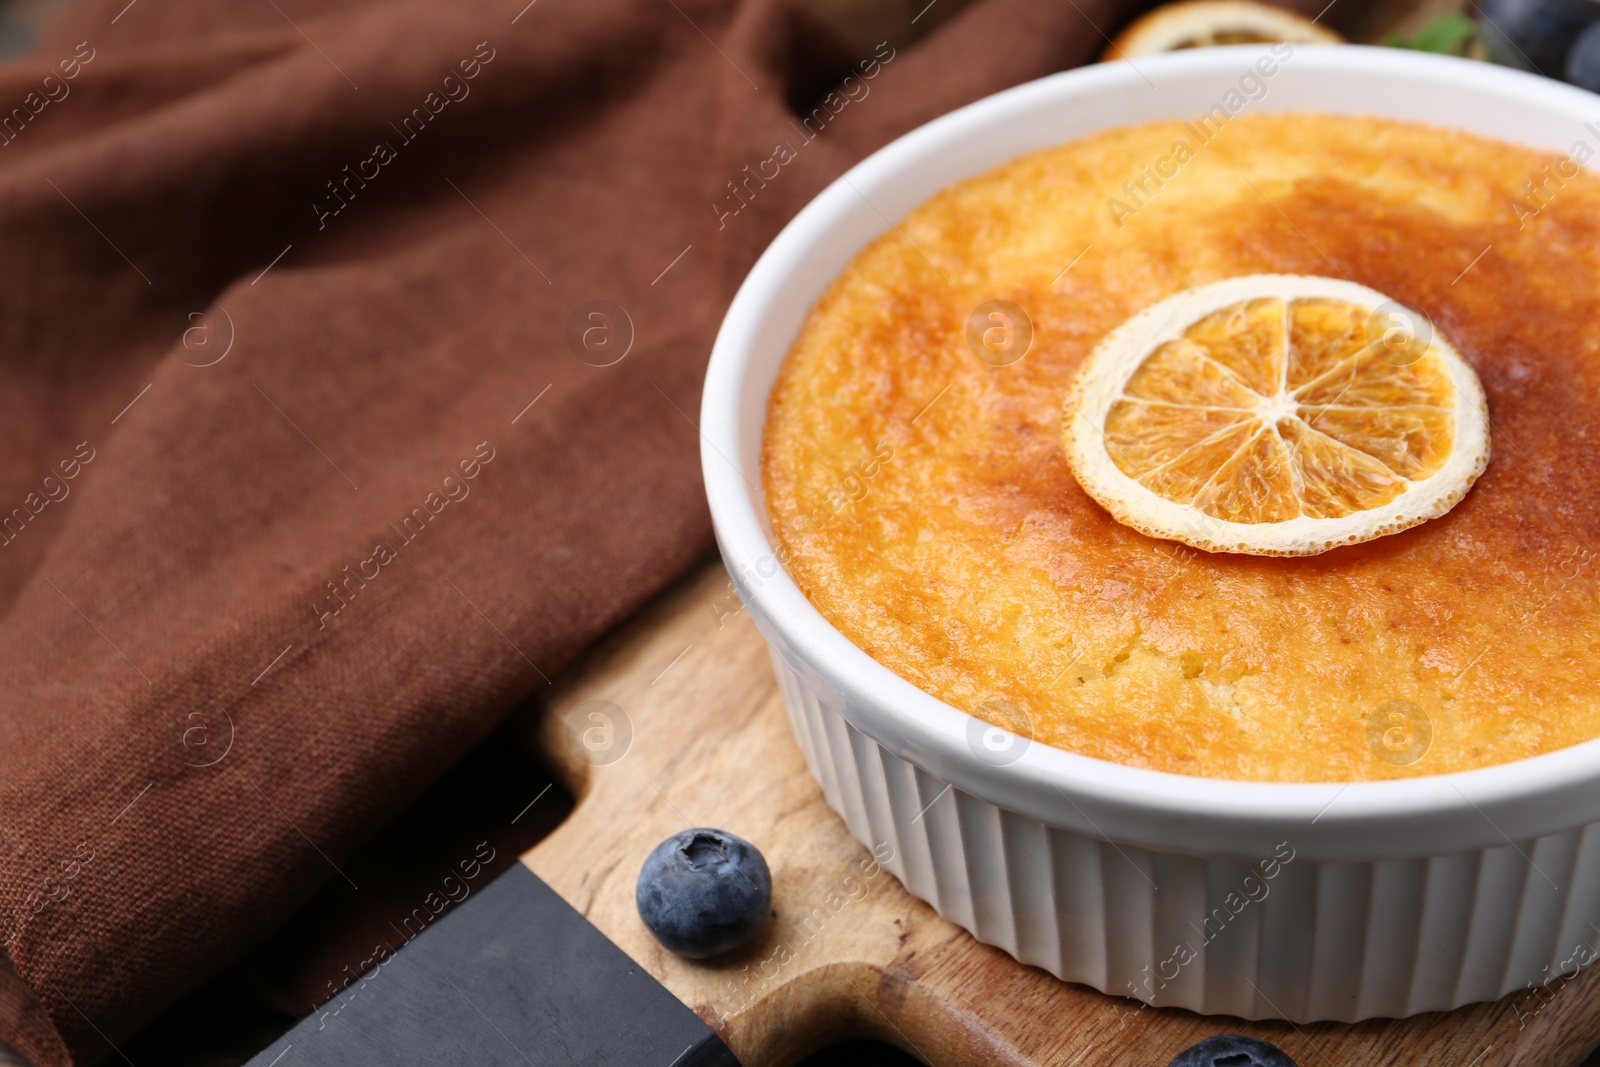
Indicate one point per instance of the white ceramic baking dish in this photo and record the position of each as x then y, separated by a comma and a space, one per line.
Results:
1297, 901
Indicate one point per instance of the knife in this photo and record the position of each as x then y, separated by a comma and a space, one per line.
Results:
515, 977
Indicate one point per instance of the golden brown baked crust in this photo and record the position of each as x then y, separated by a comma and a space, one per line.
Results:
920, 498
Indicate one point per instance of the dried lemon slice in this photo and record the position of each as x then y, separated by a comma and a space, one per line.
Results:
1276, 415
1201, 23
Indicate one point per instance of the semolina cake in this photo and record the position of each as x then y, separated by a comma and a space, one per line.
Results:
920, 492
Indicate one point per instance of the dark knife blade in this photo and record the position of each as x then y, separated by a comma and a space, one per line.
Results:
514, 976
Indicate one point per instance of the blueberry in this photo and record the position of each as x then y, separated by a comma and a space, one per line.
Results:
1232, 1050
1534, 34
703, 892
1583, 62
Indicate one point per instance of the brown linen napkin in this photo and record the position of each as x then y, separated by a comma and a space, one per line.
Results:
349, 365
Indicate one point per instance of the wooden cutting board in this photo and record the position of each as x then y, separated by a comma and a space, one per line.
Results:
850, 952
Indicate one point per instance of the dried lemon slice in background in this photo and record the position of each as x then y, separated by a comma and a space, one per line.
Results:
1276, 415
1200, 23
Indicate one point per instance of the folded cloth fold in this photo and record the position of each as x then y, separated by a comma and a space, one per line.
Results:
349, 369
